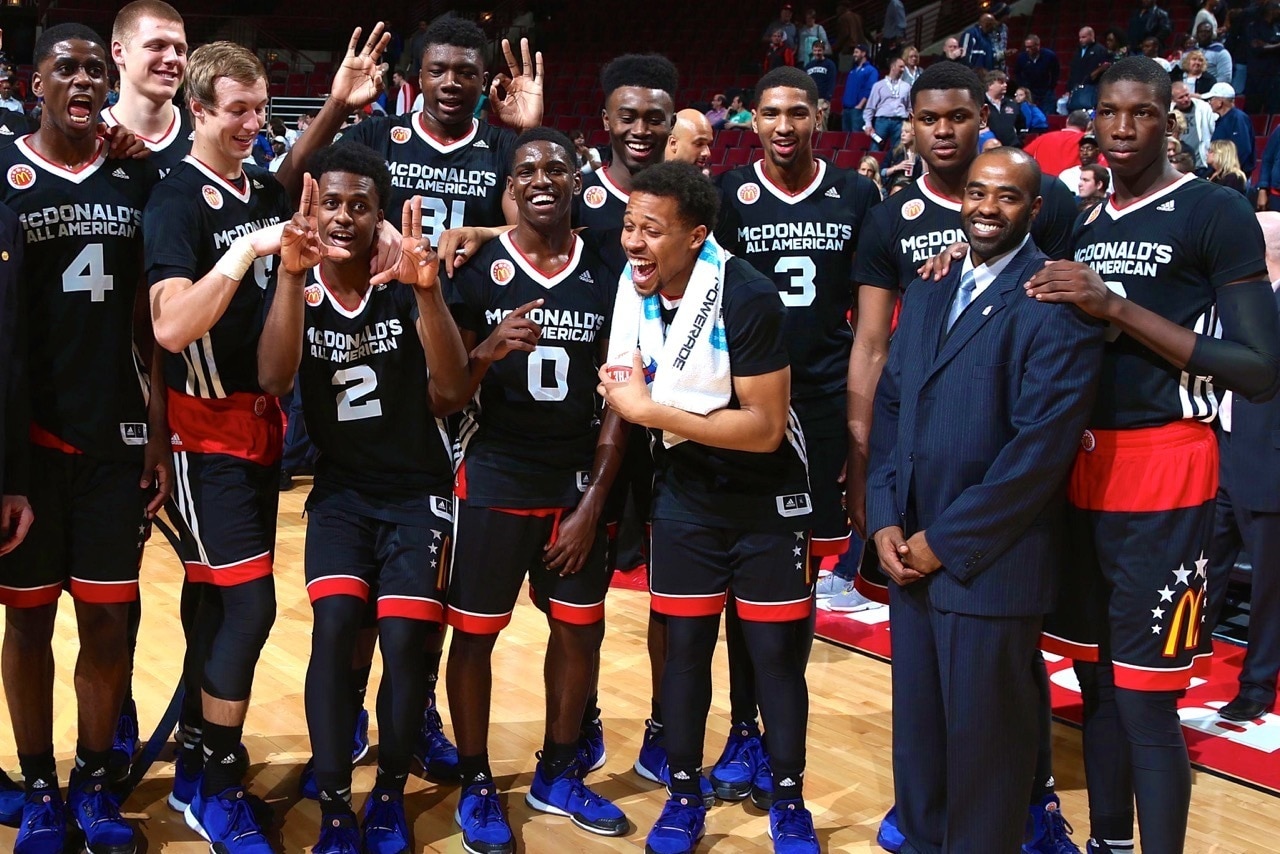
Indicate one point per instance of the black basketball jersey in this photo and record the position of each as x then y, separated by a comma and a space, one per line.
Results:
80, 276
720, 488
805, 243
461, 182
528, 438
13, 125
1168, 253
193, 216
912, 226
601, 203
363, 380
173, 145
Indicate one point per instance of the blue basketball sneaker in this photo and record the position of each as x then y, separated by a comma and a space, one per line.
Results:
484, 826
43, 827
384, 828
125, 744
889, 837
338, 835
791, 828
435, 752
762, 783
96, 811
359, 749
184, 787
652, 764
682, 823
1048, 831
12, 799
591, 752
228, 822
567, 795
736, 768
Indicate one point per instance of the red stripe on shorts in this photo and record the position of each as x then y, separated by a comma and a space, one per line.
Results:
1068, 648
687, 606
410, 608
338, 585
829, 548
874, 592
104, 592
477, 624
43, 438
242, 425
774, 612
576, 615
1151, 679
30, 597
229, 576
1145, 470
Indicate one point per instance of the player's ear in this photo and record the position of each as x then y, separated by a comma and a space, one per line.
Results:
37, 84
117, 54
697, 237
577, 181
604, 118
511, 187
754, 129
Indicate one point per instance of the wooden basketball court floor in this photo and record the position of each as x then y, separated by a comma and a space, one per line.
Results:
848, 785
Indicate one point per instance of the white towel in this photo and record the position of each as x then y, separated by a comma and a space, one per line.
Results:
690, 367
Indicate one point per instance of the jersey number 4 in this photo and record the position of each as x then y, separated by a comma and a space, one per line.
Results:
357, 384
800, 289
88, 273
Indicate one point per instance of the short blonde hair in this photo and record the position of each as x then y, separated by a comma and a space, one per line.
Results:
1186, 59
220, 59
126, 23
1226, 161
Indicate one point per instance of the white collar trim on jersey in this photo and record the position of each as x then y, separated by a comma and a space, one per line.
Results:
226, 185
166, 139
781, 194
75, 176
533, 272
932, 196
614, 189
337, 305
1115, 213
443, 147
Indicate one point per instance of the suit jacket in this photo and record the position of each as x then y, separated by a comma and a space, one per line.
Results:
974, 434
1253, 454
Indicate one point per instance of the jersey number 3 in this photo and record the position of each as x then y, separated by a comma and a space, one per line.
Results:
800, 290
356, 384
88, 273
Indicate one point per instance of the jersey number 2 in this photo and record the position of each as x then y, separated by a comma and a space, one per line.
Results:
87, 273
357, 383
801, 290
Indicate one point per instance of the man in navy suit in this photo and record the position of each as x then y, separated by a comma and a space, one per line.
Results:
1248, 514
977, 418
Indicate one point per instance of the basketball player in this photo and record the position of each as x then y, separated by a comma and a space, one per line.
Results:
795, 218
1164, 261
730, 490
88, 431
380, 511
948, 104
207, 253
458, 166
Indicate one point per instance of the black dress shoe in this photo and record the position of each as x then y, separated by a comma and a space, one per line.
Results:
1244, 709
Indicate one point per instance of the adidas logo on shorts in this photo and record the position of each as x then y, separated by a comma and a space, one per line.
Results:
831, 193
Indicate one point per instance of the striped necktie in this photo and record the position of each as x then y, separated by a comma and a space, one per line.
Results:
964, 296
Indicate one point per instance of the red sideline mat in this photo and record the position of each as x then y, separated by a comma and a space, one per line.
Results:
1248, 753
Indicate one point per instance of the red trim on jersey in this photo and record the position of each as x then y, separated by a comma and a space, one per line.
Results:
1151, 679
44, 439
460, 482
410, 608
422, 124
243, 425
60, 167
818, 175
555, 514
828, 548
612, 185
708, 605
104, 592
30, 597
209, 171
874, 592
1069, 648
774, 612
338, 585
146, 139
1138, 200
573, 257
928, 185
229, 576
1145, 470
477, 624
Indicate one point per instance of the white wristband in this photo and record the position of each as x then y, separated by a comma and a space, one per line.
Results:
238, 258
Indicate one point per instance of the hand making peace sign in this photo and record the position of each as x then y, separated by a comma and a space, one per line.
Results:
358, 81
419, 264
300, 246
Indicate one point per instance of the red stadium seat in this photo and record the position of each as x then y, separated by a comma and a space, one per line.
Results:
1260, 123
858, 141
735, 157
730, 138
848, 159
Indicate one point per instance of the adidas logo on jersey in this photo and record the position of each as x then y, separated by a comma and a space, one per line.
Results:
257, 185
831, 193
120, 173
586, 277
1167, 206
480, 143
4, 131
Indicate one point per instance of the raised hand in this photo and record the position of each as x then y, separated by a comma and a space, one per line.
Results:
518, 100
358, 80
122, 143
419, 264
515, 333
300, 246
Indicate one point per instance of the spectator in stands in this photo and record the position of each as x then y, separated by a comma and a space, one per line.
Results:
1150, 48
1089, 155
823, 116
1194, 71
719, 112
1094, 186
1037, 69
1216, 56
888, 107
1060, 149
1114, 41
1236, 41
1269, 176
976, 49
902, 159
952, 50
1226, 166
588, 158
898, 184
1000, 35
402, 94
857, 88
1150, 20
810, 32
1184, 163
1206, 16
894, 29
823, 71
1262, 92
911, 64
1232, 123
279, 148
7, 100
784, 23
849, 32
1033, 118
869, 167
417, 43
1003, 116
739, 114
690, 140
779, 53
1086, 67
1172, 147
1200, 119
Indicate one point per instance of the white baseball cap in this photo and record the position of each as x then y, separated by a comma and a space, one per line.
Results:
1221, 90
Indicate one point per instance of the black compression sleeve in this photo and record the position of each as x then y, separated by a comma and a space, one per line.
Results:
1246, 359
